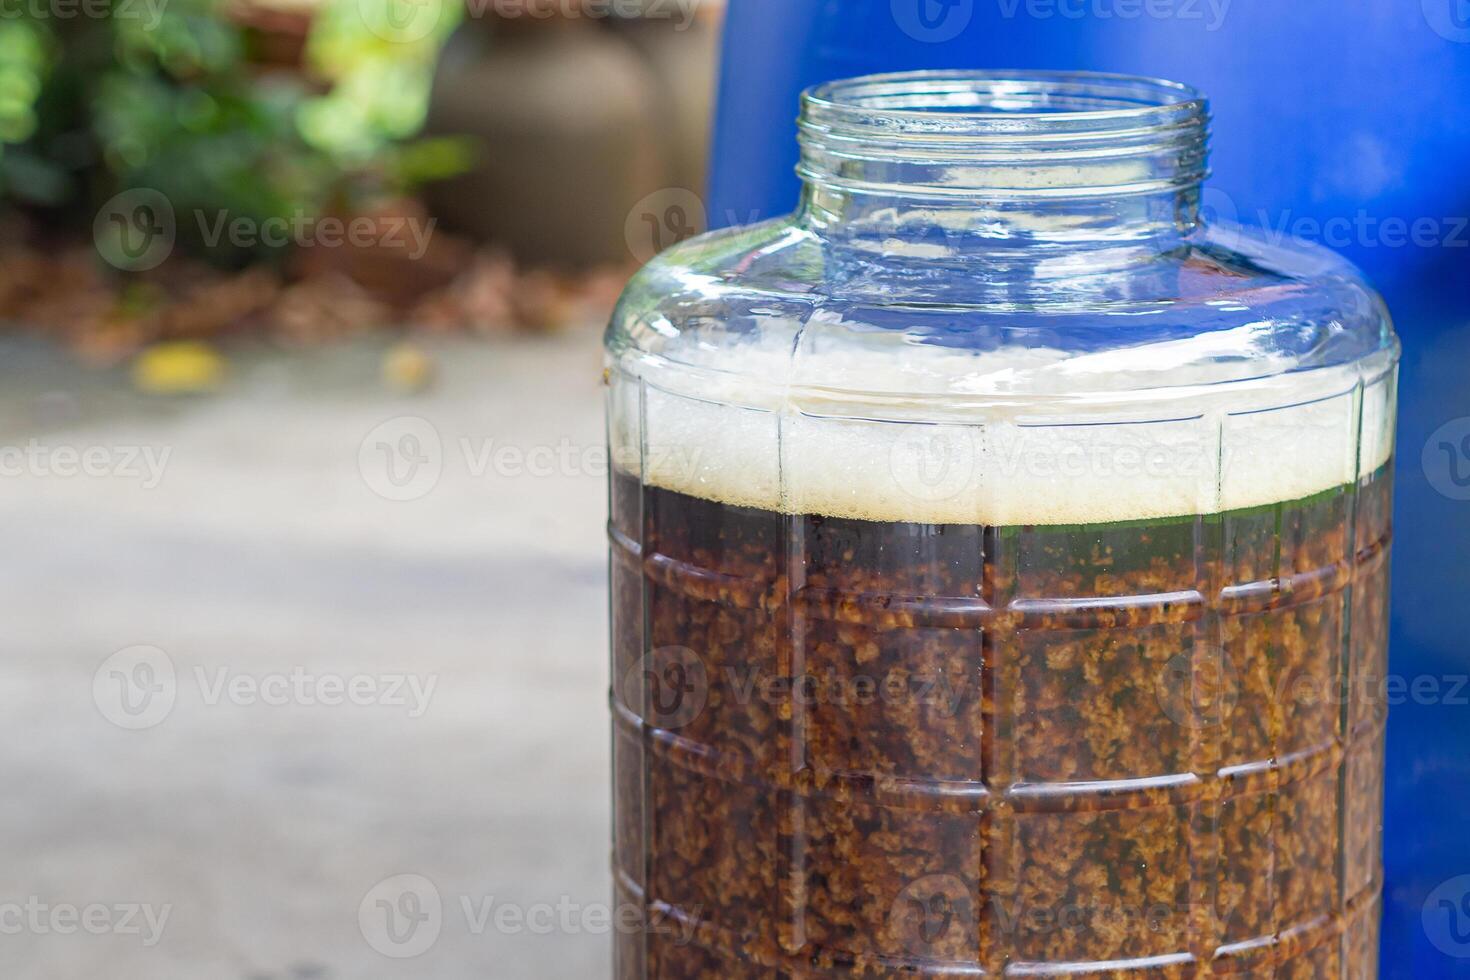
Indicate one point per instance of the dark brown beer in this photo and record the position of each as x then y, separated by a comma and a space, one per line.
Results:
849, 748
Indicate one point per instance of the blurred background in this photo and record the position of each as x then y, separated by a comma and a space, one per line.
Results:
301, 443
301, 450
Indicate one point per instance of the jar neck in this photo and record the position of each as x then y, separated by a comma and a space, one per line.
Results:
956, 164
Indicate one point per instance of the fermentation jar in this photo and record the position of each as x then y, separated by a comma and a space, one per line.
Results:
999, 558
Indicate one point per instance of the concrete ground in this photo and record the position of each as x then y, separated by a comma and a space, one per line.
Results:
262, 722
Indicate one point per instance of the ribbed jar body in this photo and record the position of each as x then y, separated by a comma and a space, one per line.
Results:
999, 561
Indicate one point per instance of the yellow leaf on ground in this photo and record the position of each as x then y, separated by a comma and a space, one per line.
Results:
178, 368
407, 369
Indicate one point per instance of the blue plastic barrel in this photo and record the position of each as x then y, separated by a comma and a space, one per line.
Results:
1343, 123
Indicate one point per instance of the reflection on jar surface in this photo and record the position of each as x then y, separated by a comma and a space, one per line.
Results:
999, 561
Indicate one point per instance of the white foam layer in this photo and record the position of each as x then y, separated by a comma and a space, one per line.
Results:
950, 437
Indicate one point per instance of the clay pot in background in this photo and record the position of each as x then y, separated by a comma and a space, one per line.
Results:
275, 32
570, 131
405, 260
681, 47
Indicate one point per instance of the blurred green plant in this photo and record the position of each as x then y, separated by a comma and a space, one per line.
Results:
174, 95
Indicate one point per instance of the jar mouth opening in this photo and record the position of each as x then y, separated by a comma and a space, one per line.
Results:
1002, 102
1017, 136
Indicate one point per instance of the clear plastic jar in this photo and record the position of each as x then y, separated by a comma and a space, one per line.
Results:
999, 561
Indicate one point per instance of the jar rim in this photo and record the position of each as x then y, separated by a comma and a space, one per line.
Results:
1002, 102
1022, 136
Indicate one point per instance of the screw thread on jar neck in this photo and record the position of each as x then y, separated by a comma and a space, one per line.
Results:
1005, 158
